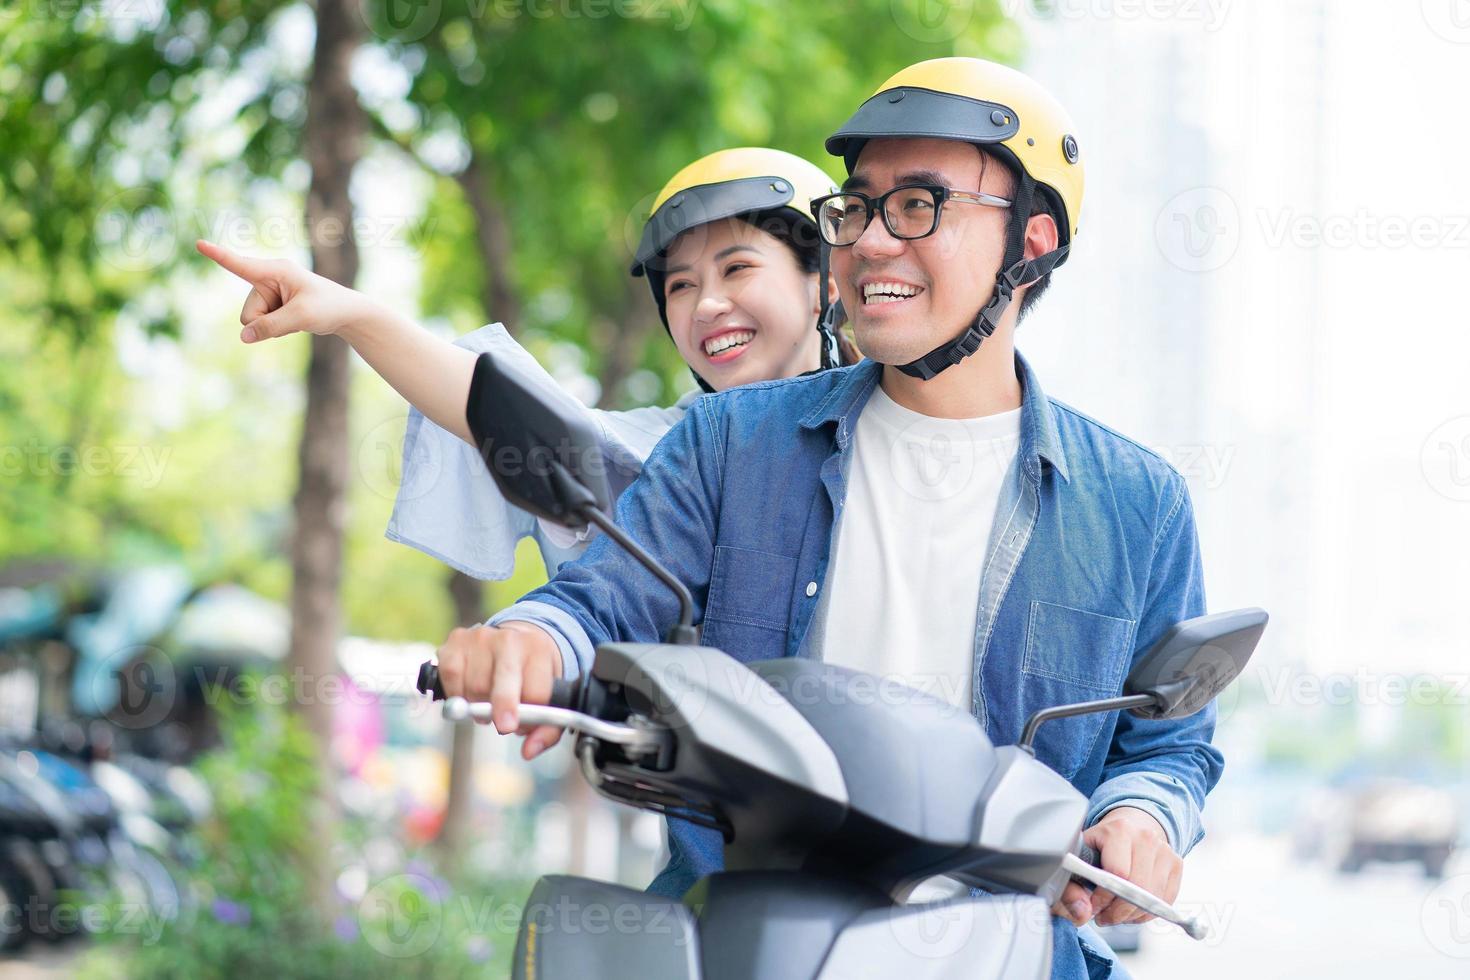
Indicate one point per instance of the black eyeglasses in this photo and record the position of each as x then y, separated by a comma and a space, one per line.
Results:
909, 211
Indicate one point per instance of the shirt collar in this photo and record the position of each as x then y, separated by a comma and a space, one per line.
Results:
1039, 437
846, 400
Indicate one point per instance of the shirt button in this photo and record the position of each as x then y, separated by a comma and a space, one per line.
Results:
811, 589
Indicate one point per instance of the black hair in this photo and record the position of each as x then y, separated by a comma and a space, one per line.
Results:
798, 235
802, 238
1041, 204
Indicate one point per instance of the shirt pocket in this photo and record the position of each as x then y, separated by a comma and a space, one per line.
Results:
750, 588
1072, 655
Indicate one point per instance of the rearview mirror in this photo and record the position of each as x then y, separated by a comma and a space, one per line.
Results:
539, 444
1194, 661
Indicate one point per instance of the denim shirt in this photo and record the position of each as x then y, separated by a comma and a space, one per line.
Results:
1092, 558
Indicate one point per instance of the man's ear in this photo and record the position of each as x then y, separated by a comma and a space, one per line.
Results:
1041, 236
832, 295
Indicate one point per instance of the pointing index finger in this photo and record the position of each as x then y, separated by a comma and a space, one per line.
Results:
251, 270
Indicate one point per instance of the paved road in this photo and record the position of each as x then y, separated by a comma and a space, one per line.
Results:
1279, 918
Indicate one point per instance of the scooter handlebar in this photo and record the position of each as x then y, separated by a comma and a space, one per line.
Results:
1086, 866
1088, 853
428, 682
563, 693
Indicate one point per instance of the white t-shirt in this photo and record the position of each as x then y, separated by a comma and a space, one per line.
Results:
903, 584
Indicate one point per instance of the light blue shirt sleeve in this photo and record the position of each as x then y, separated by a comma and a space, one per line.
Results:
1161, 796
1166, 767
449, 507
571, 639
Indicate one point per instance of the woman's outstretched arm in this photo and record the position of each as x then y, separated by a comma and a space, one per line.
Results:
431, 374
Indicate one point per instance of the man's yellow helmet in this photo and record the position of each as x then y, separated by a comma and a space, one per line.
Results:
1008, 115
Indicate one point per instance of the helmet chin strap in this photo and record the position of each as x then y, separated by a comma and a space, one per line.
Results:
831, 312
827, 326
1015, 272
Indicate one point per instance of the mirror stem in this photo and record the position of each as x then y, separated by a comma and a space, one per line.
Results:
1083, 708
684, 632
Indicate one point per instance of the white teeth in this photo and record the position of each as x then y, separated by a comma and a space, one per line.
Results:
724, 342
888, 292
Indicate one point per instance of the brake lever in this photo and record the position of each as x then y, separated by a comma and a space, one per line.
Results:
636, 738
1084, 865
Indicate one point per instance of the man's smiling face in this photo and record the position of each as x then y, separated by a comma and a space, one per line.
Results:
906, 297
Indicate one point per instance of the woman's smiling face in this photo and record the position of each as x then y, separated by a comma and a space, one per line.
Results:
739, 306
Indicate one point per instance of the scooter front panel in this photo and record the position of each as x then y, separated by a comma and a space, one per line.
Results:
995, 937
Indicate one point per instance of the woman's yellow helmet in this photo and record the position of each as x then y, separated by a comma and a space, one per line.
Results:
745, 181
726, 184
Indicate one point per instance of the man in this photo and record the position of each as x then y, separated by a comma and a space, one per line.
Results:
928, 514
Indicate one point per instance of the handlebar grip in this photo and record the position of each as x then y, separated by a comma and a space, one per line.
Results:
1089, 855
563, 693
429, 681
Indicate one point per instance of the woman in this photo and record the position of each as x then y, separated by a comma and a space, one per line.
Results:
734, 262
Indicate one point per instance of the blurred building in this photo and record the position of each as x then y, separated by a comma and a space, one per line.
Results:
1236, 301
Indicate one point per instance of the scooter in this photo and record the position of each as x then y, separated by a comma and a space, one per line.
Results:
30, 851
830, 816
77, 831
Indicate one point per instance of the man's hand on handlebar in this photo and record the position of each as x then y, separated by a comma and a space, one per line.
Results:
1132, 845
504, 665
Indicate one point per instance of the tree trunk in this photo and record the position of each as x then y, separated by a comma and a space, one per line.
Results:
469, 609
492, 231
333, 134
621, 338
502, 302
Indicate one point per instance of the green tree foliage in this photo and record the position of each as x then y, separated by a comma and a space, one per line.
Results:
579, 145
126, 130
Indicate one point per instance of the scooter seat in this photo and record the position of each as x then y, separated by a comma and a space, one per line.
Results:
577, 927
